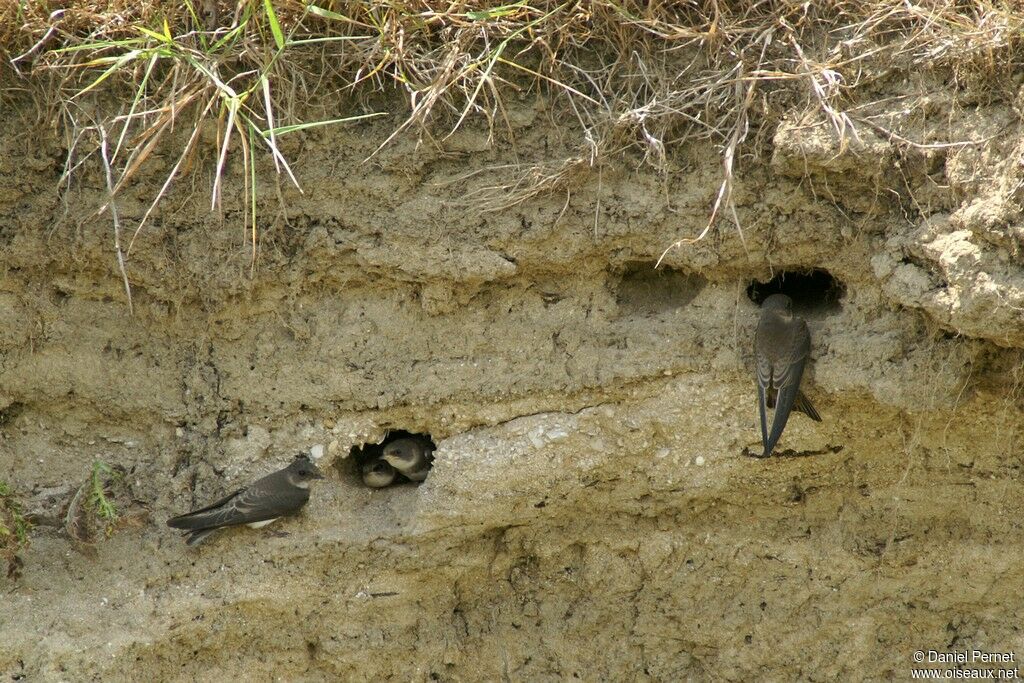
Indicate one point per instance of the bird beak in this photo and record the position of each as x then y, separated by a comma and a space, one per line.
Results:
389, 459
318, 475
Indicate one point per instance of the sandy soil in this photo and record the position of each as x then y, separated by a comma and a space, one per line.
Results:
592, 514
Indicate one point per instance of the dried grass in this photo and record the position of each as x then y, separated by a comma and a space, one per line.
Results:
642, 76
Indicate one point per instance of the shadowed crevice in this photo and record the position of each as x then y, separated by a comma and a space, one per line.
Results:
815, 292
643, 290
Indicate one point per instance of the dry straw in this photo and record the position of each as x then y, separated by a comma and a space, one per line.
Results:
633, 76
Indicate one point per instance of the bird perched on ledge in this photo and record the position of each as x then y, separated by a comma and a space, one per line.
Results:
276, 495
781, 347
411, 457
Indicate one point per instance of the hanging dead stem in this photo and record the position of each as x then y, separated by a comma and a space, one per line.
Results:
112, 205
745, 95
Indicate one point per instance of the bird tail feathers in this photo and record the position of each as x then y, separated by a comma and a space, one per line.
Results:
803, 404
196, 537
193, 521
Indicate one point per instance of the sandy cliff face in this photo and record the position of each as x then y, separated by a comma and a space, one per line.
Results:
592, 513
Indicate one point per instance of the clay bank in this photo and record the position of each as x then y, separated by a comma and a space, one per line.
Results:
565, 336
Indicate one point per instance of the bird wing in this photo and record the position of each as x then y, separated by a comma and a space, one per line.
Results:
762, 409
257, 503
764, 369
765, 391
786, 373
788, 366
784, 400
184, 521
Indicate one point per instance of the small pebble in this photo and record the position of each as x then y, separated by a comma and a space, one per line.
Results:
557, 434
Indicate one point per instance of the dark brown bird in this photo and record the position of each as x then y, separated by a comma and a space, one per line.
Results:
781, 347
278, 494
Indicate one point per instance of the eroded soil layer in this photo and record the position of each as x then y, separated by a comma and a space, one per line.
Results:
592, 512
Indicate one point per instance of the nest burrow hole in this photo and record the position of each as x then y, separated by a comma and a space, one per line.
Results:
366, 462
815, 292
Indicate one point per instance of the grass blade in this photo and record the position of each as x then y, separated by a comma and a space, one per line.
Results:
153, 34
275, 27
495, 12
316, 124
326, 13
330, 39
268, 107
121, 61
139, 93
232, 105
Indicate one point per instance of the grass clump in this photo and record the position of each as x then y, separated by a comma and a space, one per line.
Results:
194, 76
95, 510
101, 503
631, 77
12, 522
14, 530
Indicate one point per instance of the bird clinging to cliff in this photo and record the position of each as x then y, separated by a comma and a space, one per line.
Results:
781, 347
409, 456
278, 494
377, 473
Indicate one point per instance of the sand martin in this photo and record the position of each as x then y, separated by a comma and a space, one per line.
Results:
278, 494
377, 473
781, 347
409, 456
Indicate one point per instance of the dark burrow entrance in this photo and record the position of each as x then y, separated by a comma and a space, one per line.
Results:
815, 292
398, 458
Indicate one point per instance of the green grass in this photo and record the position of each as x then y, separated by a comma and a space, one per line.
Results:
99, 499
12, 521
180, 76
